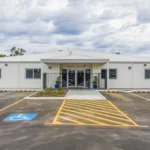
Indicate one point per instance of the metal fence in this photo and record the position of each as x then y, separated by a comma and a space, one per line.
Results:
75, 80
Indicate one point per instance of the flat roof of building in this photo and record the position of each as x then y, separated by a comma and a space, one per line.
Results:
75, 55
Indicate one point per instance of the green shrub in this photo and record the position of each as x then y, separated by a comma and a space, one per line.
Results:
50, 92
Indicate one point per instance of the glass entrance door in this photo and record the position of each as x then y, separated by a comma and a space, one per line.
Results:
80, 78
71, 78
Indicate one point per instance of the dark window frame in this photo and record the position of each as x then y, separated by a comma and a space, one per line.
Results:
116, 73
33, 73
145, 73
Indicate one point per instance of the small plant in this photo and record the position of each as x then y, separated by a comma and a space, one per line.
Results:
50, 88
60, 90
57, 83
95, 80
50, 92
58, 80
39, 94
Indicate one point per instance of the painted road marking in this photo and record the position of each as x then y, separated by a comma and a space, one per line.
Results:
19, 101
85, 112
147, 99
20, 117
15, 103
6, 93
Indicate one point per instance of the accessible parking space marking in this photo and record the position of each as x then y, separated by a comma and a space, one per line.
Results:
94, 112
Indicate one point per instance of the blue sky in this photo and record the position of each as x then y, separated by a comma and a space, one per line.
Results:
105, 25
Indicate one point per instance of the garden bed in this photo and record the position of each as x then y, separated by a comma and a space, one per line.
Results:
51, 93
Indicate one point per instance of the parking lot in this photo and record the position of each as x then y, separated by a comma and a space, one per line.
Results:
77, 128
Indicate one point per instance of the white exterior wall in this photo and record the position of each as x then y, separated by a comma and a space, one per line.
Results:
9, 76
28, 83
13, 76
124, 75
139, 80
131, 79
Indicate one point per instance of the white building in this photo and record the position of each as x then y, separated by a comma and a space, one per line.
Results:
75, 69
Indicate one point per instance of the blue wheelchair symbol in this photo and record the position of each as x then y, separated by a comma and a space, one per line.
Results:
20, 117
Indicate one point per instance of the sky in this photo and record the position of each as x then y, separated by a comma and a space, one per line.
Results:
104, 25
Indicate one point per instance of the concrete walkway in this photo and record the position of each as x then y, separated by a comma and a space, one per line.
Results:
84, 94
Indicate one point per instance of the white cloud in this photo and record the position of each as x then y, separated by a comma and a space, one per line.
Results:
105, 25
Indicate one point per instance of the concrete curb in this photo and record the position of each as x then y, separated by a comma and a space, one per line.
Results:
132, 91
2, 90
113, 91
27, 91
44, 98
141, 92
20, 90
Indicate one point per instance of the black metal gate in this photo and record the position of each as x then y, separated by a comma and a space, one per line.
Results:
75, 80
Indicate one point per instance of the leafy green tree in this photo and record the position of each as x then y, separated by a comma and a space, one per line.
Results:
118, 53
17, 51
2, 55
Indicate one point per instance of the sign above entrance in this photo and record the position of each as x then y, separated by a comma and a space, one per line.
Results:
75, 66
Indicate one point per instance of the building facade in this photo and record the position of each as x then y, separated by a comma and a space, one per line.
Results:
74, 69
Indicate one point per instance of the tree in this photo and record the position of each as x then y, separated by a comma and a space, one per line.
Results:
2, 55
17, 51
117, 53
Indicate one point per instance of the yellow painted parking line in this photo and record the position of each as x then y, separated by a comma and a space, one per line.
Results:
11, 105
57, 122
47, 123
97, 110
59, 111
75, 121
123, 113
91, 120
112, 121
94, 105
83, 105
85, 112
91, 103
119, 118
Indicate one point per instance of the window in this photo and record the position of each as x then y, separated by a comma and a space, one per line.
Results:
37, 73
29, 73
147, 73
33, 73
0, 73
112, 73
104, 74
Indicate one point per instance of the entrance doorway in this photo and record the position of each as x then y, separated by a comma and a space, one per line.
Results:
76, 78
80, 78
71, 78
104, 79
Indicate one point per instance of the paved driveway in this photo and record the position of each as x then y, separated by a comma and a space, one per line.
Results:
10, 97
34, 135
84, 94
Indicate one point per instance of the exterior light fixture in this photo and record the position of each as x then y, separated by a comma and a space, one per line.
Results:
145, 65
129, 68
6, 64
49, 67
